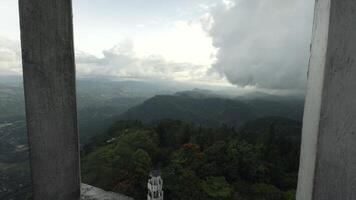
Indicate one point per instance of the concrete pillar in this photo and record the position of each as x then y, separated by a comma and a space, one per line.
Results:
49, 82
328, 151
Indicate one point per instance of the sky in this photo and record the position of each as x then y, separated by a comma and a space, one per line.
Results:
244, 43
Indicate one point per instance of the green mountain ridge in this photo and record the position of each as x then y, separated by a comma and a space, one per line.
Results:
212, 110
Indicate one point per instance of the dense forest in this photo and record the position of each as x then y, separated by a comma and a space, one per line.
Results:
258, 161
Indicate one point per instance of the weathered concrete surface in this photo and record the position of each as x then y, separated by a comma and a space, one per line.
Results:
93, 193
49, 82
328, 156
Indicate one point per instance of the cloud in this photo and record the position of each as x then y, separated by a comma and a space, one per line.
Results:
10, 57
181, 41
262, 43
121, 61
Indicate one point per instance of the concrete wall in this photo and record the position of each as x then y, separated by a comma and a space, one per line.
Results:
328, 151
93, 193
49, 82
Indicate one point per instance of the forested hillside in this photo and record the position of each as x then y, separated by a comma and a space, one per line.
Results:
197, 162
213, 110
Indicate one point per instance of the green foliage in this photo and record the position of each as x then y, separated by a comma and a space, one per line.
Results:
217, 188
121, 165
266, 192
289, 195
196, 162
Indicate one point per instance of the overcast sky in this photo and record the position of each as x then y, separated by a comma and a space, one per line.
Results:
254, 43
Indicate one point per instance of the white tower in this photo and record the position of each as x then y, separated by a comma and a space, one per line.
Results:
155, 186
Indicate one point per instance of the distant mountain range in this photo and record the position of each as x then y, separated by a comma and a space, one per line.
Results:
103, 101
207, 108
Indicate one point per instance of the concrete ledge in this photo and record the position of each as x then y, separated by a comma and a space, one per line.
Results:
328, 161
93, 193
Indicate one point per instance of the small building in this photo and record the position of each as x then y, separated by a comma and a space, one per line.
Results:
155, 186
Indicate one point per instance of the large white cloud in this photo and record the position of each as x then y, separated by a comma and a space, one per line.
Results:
262, 43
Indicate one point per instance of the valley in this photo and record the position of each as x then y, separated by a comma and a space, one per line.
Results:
194, 118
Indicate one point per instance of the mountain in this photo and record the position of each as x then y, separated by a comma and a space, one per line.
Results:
101, 102
209, 109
